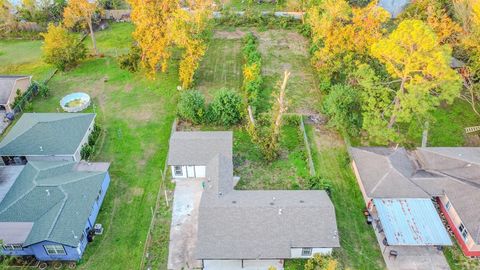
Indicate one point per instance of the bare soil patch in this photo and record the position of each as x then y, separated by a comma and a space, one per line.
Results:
237, 34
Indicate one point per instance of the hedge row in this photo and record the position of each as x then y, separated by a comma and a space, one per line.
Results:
252, 77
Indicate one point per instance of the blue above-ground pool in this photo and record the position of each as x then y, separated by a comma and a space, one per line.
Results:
75, 102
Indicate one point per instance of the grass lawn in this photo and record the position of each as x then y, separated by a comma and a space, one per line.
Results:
221, 67
23, 57
136, 115
280, 50
359, 249
287, 172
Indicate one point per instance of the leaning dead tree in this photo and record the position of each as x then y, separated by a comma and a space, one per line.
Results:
269, 140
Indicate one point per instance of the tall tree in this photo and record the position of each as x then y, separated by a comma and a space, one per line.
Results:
61, 48
81, 12
413, 56
343, 34
161, 25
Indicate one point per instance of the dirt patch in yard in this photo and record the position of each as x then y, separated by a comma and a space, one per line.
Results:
327, 138
237, 34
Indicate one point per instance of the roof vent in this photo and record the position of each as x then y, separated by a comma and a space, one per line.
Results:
271, 203
234, 202
302, 201
48, 192
280, 211
41, 148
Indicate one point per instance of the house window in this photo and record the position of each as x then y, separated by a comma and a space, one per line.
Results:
55, 250
178, 170
463, 231
448, 205
12, 247
306, 252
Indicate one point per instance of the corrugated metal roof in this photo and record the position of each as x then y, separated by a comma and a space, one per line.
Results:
411, 222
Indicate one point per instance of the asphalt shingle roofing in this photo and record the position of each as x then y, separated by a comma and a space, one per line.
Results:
261, 224
7, 84
46, 134
56, 197
429, 171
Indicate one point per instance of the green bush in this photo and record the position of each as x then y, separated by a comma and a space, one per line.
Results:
131, 60
319, 183
342, 105
92, 139
252, 82
191, 106
226, 108
86, 152
43, 89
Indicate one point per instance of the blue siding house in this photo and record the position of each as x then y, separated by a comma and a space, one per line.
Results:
48, 208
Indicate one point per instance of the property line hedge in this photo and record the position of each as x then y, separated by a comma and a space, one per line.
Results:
252, 77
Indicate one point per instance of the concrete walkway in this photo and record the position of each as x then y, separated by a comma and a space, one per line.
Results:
183, 231
411, 257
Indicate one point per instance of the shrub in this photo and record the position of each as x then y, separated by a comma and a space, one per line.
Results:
131, 60
61, 48
191, 106
92, 139
319, 183
42, 88
226, 108
342, 105
252, 81
86, 151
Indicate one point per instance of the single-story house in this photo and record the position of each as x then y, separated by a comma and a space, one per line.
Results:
448, 175
49, 208
46, 137
249, 229
8, 90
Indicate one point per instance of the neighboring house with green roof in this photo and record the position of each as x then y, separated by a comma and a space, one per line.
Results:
50, 209
46, 137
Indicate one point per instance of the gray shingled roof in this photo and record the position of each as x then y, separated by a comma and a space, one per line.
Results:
6, 87
386, 173
435, 171
198, 147
8, 175
56, 197
46, 134
264, 224
250, 224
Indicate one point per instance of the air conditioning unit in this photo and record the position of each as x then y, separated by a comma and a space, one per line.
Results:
98, 229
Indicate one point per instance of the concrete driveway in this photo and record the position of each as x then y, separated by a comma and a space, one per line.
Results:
183, 230
411, 257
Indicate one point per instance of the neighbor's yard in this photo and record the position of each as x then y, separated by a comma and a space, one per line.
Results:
136, 115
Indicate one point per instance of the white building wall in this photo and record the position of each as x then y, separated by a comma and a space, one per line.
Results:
237, 264
297, 252
189, 172
77, 155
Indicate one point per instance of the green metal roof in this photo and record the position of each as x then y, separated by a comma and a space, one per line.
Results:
46, 134
56, 197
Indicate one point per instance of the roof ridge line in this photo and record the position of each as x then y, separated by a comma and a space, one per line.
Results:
58, 214
443, 155
75, 180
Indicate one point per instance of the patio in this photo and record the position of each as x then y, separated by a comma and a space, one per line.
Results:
183, 232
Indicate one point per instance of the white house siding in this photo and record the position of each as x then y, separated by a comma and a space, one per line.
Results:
77, 156
297, 252
237, 264
189, 172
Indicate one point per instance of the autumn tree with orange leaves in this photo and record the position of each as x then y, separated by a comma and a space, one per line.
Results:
81, 12
341, 33
161, 25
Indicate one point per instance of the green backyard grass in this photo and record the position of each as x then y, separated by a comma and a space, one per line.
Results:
287, 172
359, 248
280, 50
136, 115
